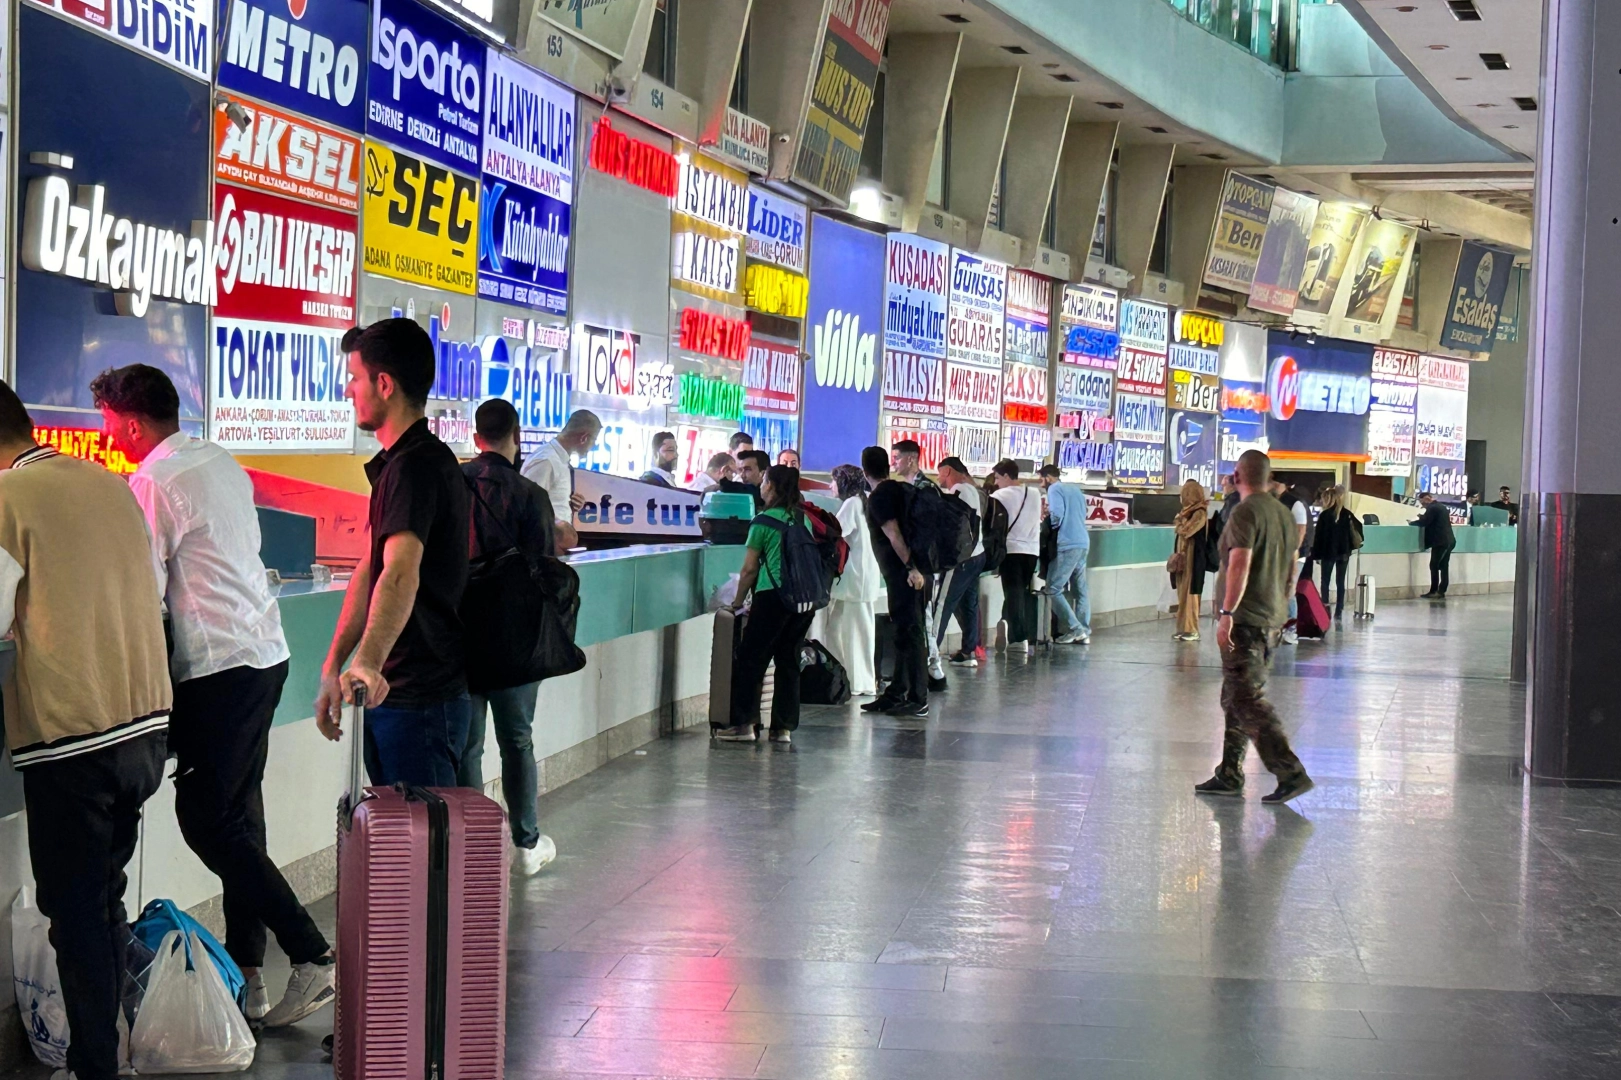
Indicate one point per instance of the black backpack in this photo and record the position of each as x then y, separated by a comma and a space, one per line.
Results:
822, 679
940, 531
806, 582
995, 533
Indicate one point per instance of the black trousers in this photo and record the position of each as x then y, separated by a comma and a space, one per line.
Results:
773, 632
1331, 569
84, 815
1018, 602
906, 618
1440, 569
220, 735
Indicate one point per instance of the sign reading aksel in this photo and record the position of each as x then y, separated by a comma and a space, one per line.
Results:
287, 155
421, 221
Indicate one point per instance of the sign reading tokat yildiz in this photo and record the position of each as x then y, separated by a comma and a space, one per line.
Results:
284, 154
421, 221
283, 261
178, 32
298, 55
425, 87
278, 387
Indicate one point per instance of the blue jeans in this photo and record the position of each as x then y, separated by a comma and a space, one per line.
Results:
419, 745
962, 600
514, 713
1067, 566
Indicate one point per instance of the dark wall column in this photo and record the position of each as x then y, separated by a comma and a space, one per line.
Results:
1573, 456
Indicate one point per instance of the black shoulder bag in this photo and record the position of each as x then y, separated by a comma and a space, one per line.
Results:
518, 616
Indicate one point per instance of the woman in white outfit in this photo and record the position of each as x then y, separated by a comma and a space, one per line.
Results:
850, 613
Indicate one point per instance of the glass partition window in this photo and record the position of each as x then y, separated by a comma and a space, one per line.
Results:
1262, 27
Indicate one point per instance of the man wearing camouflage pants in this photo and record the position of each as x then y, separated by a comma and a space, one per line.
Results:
1258, 547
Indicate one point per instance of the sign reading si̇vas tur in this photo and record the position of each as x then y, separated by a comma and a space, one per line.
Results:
425, 88
421, 221
842, 97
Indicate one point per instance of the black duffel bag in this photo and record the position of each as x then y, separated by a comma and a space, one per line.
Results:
822, 679
518, 618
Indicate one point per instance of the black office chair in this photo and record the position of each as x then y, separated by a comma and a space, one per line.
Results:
1370, 519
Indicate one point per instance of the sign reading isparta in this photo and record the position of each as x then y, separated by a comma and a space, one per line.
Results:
283, 261
299, 56
286, 155
421, 221
179, 33
278, 387
974, 326
425, 89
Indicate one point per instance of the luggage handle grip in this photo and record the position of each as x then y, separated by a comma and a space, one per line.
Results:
357, 758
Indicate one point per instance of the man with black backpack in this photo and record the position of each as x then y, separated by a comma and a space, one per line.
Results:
906, 457
508, 511
887, 519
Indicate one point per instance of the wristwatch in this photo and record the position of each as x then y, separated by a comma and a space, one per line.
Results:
1224, 614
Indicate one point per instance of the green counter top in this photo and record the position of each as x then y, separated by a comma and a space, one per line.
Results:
1126, 545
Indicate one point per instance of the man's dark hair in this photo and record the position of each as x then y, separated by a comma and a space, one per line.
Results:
784, 481
1006, 467
1254, 468
907, 446
954, 462
660, 436
401, 349
738, 439
15, 424
137, 390
1505, 487
761, 459
1049, 470
496, 421
1426, 495
875, 462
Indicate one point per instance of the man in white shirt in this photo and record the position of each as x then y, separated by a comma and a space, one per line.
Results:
719, 470
961, 589
554, 472
1023, 506
230, 661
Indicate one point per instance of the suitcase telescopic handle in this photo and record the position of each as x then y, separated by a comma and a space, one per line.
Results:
357, 744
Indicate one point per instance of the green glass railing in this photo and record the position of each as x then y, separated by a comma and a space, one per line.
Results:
1265, 28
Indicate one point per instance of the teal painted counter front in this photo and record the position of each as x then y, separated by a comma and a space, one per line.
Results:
1136, 544
622, 592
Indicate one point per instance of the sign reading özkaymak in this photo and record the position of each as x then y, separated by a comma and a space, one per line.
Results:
421, 221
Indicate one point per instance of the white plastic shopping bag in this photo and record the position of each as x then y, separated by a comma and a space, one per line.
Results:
39, 991
725, 594
1167, 598
188, 1022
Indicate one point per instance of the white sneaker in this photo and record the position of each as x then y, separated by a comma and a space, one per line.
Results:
63, 1074
1290, 637
1067, 639
743, 733
1084, 639
782, 736
527, 862
258, 998
309, 988
1018, 648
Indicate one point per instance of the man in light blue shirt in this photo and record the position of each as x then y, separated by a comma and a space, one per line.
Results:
1066, 509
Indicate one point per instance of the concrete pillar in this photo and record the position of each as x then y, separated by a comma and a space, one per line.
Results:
783, 57
707, 45
1035, 141
1083, 176
916, 90
1193, 221
1143, 173
1573, 450
628, 70
981, 106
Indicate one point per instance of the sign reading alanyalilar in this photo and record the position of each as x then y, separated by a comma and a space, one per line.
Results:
841, 100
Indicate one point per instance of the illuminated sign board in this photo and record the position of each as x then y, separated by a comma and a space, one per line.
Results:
425, 89
91, 446
1145, 325
777, 229
636, 162
297, 55
973, 393
1082, 390
775, 291
842, 97
914, 384
278, 387
704, 261
1195, 391
421, 221
771, 377
523, 246
975, 313
180, 34
1141, 372
746, 141
1197, 329
283, 261
282, 154
605, 362
714, 335
703, 396
1028, 322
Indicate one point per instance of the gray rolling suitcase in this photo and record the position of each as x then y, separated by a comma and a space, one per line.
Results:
1367, 593
720, 669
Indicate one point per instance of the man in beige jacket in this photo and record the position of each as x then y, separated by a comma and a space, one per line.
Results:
87, 714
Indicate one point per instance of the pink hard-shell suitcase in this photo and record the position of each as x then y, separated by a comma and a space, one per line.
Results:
422, 931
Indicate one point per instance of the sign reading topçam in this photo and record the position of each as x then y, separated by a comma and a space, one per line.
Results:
421, 221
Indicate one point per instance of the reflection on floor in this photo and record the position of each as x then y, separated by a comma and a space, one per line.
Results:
1026, 887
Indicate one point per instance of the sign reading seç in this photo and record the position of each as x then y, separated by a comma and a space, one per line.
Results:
421, 221
287, 155
636, 162
181, 34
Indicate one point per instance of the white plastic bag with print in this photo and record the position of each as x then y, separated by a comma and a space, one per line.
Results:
188, 1022
725, 594
39, 990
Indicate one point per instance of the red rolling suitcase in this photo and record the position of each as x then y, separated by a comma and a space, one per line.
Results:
1311, 617
422, 931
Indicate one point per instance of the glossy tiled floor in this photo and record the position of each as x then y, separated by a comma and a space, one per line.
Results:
1026, 886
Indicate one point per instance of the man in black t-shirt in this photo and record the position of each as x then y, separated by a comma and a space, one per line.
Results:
908, 692
1505, 502
401, 618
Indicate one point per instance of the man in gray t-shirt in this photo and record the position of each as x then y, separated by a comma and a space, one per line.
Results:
1258, 547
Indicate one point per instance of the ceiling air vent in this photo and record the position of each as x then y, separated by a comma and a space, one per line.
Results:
1215, 157
1464, 10
1061, 77
1526, 104
1112, 104
962, 19
1016, 50
1494, 61
1160, 130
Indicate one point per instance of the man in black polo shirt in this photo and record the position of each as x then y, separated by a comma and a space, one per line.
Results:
908, 692
400, 616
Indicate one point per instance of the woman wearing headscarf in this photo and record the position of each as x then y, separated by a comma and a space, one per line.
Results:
1188, 563
851, 610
